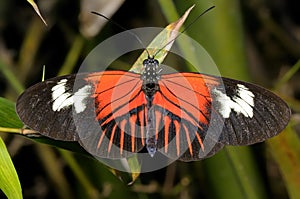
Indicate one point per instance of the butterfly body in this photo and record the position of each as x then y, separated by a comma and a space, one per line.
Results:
186, 116
150, 77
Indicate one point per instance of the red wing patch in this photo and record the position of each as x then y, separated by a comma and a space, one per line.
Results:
120, 112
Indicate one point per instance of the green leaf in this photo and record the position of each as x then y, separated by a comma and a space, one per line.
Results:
162, 43
8, 116
9, 181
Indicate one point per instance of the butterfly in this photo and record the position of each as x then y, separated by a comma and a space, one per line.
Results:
184, 115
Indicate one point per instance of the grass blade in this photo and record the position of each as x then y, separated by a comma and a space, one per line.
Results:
9, 181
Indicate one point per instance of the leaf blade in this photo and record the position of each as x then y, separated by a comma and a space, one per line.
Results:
8, 116
9, 181
163, 40
36, 9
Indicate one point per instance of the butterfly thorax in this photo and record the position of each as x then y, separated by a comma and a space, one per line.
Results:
150, 77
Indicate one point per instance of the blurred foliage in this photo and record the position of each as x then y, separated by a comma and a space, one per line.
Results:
254, 40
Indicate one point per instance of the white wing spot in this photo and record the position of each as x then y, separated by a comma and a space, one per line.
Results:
59, 89
242, 102
245, 94
60, 98
80, 98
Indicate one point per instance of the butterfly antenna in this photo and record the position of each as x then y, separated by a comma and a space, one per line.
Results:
187, 27
123, 28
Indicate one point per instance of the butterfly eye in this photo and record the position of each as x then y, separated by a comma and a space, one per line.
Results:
146, 63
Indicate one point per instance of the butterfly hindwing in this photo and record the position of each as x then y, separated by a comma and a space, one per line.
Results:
184, 103
117, 120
